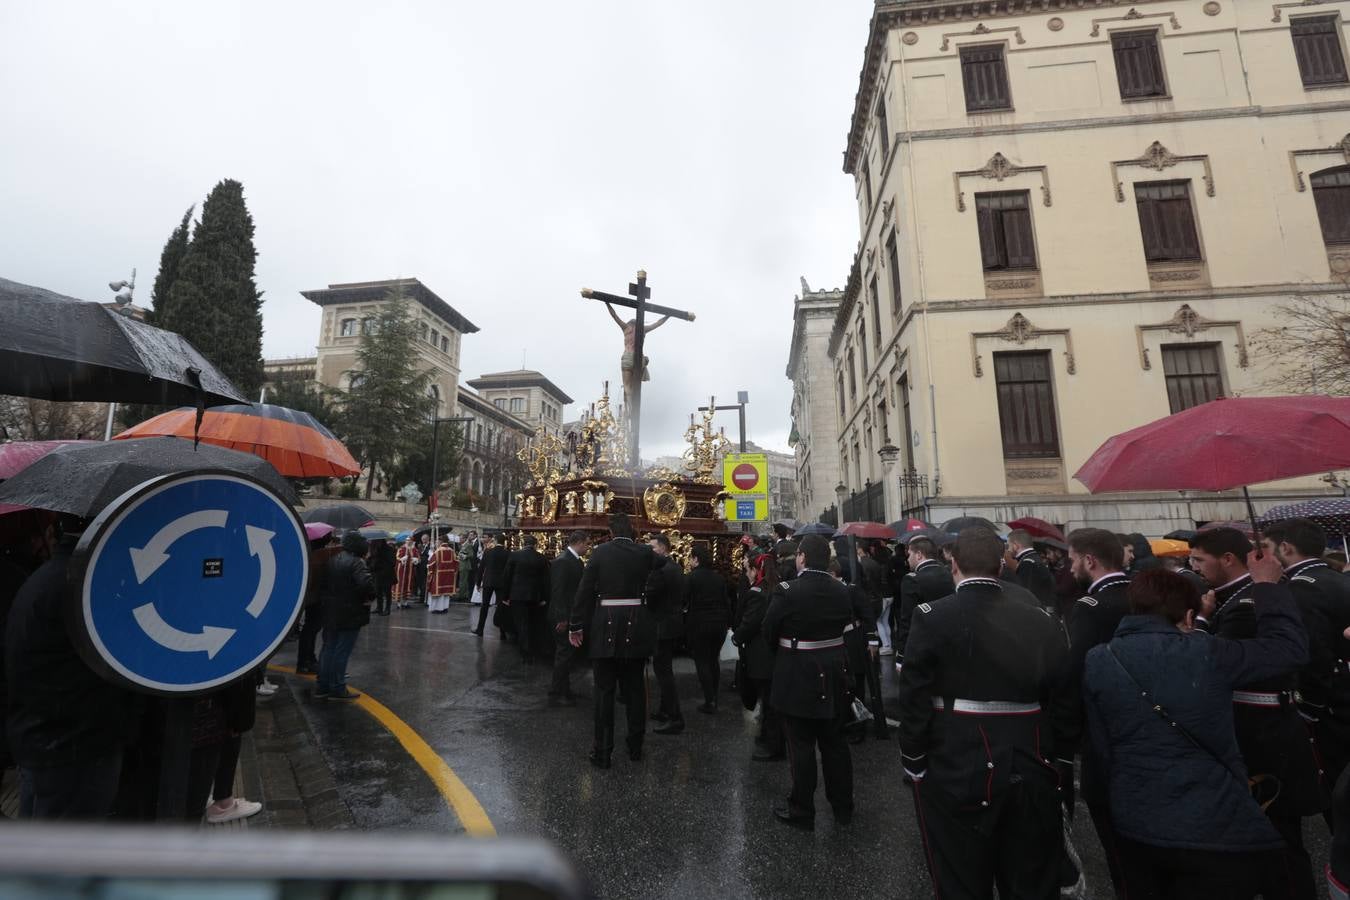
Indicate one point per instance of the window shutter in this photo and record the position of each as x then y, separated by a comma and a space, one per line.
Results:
1317, 46
1331, 192
1026, 404
1018, 239
984, 74
990, 250
1139, 69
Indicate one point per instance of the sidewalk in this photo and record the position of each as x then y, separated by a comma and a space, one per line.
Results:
279, 765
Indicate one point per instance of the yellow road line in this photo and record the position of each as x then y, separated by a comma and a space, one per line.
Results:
465, 805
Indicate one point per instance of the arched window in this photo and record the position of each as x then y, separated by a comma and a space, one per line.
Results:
477, 477
1331, 192
368, 325
347, 328
445, 344
355, 381
435, 338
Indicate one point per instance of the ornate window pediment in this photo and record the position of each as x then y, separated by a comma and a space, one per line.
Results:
1159, 158
1019, 330
1341, 148
1000, 168
1188, 323
1135, 15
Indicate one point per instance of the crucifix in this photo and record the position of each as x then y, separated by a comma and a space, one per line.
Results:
633, 363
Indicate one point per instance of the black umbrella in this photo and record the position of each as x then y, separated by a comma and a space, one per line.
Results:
343, 516
1181, 534
936, 535
819, 528
961, 523
81, 479
58, 348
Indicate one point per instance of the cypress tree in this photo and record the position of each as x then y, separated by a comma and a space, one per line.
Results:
214, 301
170, 258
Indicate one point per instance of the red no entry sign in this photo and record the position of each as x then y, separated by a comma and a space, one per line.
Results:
745, 476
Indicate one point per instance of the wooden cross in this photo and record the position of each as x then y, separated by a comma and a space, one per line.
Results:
639, 295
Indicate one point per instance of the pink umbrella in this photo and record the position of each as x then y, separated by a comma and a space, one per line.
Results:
316, 530
16, 456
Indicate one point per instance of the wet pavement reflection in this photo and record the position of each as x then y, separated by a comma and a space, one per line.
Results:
693, 819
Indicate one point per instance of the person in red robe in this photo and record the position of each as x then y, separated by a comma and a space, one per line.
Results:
405, 569
442, 576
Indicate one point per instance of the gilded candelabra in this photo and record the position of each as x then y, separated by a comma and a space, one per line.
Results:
706, 447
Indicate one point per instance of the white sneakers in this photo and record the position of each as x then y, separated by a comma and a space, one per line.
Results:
266, 689
238, 808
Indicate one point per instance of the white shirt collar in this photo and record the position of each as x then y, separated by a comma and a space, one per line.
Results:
1235, 581
979, 579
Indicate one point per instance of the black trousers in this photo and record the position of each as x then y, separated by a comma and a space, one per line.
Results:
705, 645
663, 667
305, 657
488, 593
229, 761
1005, 844
1171, 873
609, 675
384, 591
803, 737
565, 656
530, 631
771, 734
1106, 833
1291, 877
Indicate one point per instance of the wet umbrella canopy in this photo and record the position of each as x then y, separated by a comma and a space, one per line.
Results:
58, 348
343, 516
961, 523
81, 479
819, 528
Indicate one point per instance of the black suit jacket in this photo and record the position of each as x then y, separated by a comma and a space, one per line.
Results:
564, 579
665, 597
811, 684
618, 569
929, 583
493, 572
526, 578
1034, 575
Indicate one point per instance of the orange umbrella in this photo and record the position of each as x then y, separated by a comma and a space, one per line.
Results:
1166, 547
294, 442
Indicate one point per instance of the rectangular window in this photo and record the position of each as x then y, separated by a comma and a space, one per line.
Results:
1004, 221
435, 338
984, 72
862, 348
885, 422
843, 410
1317, 46
867, 184
1139, 68
893, 261
852, 375
876, 315
1167, 220
906, 440
445, 344
499, 403
348, 328
1026, 404
1331, 191
1192, 372
517, 404
883, 128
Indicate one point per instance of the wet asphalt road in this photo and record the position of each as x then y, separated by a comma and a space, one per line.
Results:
692, 820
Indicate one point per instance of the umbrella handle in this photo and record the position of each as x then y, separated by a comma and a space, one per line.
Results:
1251, 514
194, 375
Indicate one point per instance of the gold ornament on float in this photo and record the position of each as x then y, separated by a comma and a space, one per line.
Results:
664, 504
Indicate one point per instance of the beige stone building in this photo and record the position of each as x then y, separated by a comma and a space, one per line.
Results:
525, 394
349, 309
815, 418
1073, 218
489, 466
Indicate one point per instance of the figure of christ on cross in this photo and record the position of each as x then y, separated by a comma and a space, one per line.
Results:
634, 331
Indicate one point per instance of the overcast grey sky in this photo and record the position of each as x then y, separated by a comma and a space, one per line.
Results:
504, 153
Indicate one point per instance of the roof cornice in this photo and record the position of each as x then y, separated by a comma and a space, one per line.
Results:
890, 14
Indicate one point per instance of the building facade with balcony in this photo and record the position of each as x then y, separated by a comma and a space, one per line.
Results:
488, 464
1074, 217
350, 309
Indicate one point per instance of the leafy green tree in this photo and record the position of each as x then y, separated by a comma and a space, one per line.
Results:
415, 465
214, 301
387, 411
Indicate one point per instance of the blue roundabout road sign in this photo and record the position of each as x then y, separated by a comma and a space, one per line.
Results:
189, 581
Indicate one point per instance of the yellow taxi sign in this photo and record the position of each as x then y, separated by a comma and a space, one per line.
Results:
745, 476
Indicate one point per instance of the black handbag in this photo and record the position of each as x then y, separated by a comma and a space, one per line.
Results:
747, 686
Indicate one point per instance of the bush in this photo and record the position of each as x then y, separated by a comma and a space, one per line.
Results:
349, 491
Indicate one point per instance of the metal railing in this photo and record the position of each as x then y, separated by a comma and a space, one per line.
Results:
868, 505
913, 494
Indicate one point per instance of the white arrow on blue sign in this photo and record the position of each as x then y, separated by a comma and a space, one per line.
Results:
189, 581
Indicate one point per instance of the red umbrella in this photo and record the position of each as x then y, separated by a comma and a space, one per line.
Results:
16, 456
906, 525
1224, 444
294, 442
866, 530
1037, 528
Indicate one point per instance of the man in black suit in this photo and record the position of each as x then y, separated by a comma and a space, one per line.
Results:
1026, 568
805, 626
929, 580
665, 598
610, 611
491, 576
527, 590
564, 579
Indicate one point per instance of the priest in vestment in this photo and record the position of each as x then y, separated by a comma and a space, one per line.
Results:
442, 576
